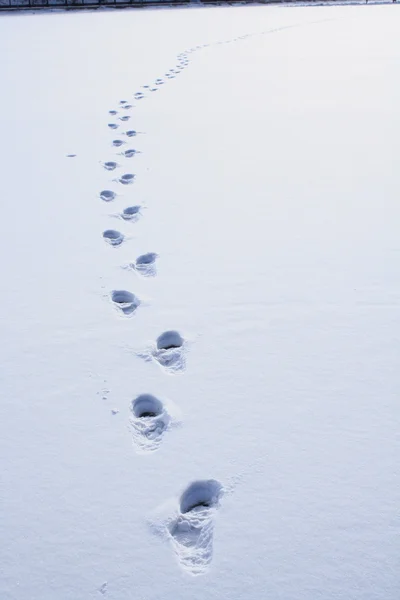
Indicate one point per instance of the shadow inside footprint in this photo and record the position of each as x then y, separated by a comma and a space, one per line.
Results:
113, 125
125, 301
118, 143
192, 531
113, 237
149, 421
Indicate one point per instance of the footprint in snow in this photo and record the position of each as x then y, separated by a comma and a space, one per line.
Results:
150, 420
127, 179
107, 195
124, 301
113, 112
118, 143
130, 152
71, 155
131, 133
127, 106
113, 125
159, 82
123, 101
110, 165
124, 118
139, 95
190, 528
168, 352
145, 264
113, 237
131, 213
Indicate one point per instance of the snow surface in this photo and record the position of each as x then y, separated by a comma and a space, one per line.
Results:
268, 184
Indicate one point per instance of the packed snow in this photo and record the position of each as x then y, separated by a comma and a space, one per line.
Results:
200, 298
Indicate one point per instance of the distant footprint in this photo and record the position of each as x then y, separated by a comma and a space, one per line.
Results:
131, 133
131, 213
125, 118
130, 153
169, 352
113, 237
145, 264
127, 106
110, 165
107, 195
139, 96
159, 82
127, 179
150, 420
113, 112
125, 301
113, 125
118, 143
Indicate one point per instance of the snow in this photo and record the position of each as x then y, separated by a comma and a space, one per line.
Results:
266, 176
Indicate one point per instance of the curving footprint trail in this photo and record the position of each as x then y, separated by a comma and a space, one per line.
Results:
190, 528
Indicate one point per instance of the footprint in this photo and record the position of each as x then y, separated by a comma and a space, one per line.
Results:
150, 419
71, 155
118, 143
131, 213
129, 153
107, 195
124, 118
127, 106
110, 165
127, 179
113, 112
131, 133
139, 96
125, 301
123, 101
145, 264
159, 82
113, 125
153, 89
191, 530
113, 237
168, 352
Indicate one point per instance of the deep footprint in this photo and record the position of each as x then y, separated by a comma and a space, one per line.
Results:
118, 143
169, 352
149, 421
125, 301
113, 125
124, 118
192, 531
107, 195
113, 237
131, 133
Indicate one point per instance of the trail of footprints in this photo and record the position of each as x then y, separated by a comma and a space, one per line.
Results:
188, 524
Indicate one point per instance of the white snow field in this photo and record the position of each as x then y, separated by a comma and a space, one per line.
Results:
252, 451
